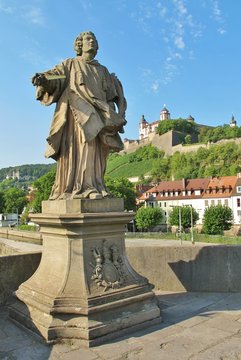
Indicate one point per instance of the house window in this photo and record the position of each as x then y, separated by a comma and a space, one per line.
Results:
239, 212
239, 189
206, 202
212, 202
165, 204
238, 202
160, 204
219, 202
226, 202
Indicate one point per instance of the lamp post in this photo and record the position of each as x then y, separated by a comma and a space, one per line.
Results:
180, 223
17, 215
191, 213
192, 238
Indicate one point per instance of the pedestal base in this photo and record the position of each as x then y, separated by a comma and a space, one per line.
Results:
84, 287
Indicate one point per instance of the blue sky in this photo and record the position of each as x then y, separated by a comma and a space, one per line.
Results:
182, 53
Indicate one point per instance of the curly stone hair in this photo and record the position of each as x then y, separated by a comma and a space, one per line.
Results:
79, 42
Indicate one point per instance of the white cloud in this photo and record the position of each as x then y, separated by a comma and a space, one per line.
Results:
179, 42
221, 31
155, 86
35, 16
179, 29
30, 13
218, 16
8, 9
182, 10
86, 4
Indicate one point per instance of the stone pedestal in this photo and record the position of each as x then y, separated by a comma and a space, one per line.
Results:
84, 288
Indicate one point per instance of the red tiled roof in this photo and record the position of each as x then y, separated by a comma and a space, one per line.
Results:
238, 183
222, 182
217, 183
196, 184
167, 185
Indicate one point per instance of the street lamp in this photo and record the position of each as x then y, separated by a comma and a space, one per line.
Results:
180, 221
17, 215
192, 238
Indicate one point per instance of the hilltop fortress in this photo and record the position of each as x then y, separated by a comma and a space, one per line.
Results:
169, 142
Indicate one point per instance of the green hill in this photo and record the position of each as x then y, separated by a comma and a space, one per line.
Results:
27, 173
218, 160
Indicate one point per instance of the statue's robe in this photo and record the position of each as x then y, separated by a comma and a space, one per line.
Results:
84, 127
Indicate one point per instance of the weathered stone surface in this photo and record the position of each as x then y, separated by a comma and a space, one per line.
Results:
82, 206
84, 288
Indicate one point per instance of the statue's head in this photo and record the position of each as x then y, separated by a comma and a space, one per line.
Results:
86, 35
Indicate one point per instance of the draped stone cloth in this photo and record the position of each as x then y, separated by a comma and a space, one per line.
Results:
85, 125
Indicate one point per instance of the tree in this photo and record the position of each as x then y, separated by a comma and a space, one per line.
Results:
189, 216
1, 201
181, 125
217, 218
146, 218
188, 139
43, 189
14, 200
122, 188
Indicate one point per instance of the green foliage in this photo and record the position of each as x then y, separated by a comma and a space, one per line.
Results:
218, 133
1, 202
181, 125
27, 227
146, 153
214, 161
146, 218
43, 189
29, 172
14, 200
217, 218
185, 216
122, 188
25, 215
7, 184
188, 139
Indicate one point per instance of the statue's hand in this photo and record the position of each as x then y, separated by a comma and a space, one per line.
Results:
39, 80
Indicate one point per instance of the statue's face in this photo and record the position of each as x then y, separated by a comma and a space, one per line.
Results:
89, 44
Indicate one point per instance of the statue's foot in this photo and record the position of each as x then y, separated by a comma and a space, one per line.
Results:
88, 194
95, 196
65, 196
105, 194
54, 197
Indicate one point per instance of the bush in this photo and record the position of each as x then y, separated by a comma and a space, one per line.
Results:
147, 218
185, 216
217, 218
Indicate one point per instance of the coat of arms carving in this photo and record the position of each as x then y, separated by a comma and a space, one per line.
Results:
108, 268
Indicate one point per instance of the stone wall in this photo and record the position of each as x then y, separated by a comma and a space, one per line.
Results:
26, 236
170, 143
189, 268
15, 269
211, 268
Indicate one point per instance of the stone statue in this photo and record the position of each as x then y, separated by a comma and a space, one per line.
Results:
89, 115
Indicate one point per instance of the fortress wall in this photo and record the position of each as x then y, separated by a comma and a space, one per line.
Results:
170, 142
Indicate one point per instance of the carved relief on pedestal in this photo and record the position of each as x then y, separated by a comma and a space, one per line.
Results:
108, 268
